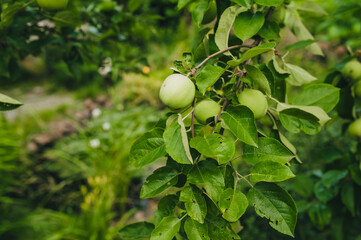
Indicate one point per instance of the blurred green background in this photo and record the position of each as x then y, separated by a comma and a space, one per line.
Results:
89, 77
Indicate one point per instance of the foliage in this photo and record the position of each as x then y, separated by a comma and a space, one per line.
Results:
200, 181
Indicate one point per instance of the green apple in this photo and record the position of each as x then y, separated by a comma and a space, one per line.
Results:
177, 91
352, 69
357, 89
206, 109
278, 15
254, 100
211, 13
355, 128
52, 5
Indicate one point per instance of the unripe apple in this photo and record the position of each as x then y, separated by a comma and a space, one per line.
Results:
357, 89
206, 109
52, 5
278, 15
355, 128
177, 91
352, 70
254, 100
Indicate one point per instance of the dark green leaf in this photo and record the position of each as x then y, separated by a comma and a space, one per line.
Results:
240, 120
296, 120
214, 146
300, 45
268, 171
218, 228
274, 3
349, 197
233, 204
195, 230
158, 181
167, 229
138, 230
274, 203
198, 9
270, 31
134, 4
166, 208
194, 202
148, 148
322, 95
207, 175
246, 24
320, 215
269, 149
208, 77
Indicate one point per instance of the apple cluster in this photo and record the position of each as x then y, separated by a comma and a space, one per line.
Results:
352, 70
178, 93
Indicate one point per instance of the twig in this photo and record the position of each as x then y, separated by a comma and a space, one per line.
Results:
193, 70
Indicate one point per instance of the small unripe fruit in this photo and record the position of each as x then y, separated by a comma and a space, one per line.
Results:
53, 5
355, 128
357, 89
254, 100
177, 91
206, 109
352, 70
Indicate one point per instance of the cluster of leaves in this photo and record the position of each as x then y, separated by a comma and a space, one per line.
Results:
204, 190
91, 41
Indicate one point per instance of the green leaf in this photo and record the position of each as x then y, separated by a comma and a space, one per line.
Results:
313, 8
176, 142
218, 228
300, 45
160, 180
294, 22
8, 103
349, 196
320, 215
67, 18
233, 204
198, 9
245, 3
148, 148
182, 3
195, 230
166, 208
240, 120
194, 202
208, 77
318, 112
137, 230
206, 174
298, 76
321, 95
246, 25
296, 120
332, 177
252, 53
8, 14
274, 203
274, 3
214, 146
134, 5
167, 229
269, 149
270, 31
303, 185
258, 78
225, 25
268, 171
